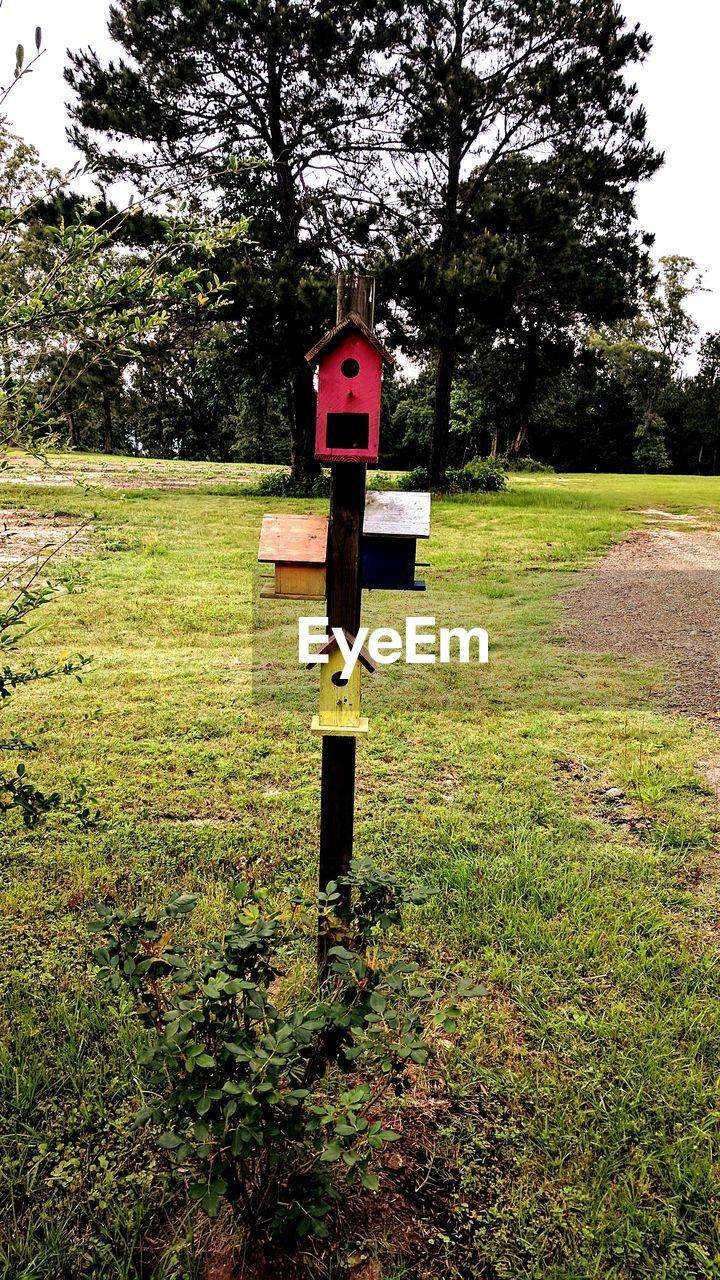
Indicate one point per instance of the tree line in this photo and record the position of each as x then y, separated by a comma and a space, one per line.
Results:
480, 157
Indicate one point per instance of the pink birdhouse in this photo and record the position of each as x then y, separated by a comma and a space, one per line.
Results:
350, 363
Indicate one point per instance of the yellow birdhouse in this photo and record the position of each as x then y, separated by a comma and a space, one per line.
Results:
340, 699
297, 546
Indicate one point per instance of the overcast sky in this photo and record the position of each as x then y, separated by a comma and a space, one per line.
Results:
680, 86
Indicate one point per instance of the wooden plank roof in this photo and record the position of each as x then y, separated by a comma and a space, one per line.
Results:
332, 644
351, 324
397, 515
294, 539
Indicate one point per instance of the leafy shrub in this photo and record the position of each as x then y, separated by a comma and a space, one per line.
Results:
251, 1088
530, 467
480, 475
415, 481
650, 453
280, 484
381, 482
17, 792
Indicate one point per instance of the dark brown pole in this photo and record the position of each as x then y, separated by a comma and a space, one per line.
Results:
344, 602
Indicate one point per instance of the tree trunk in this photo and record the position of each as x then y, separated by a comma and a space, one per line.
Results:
8, 388
107, 423
73, 437
302, 426
518, 441
527, 392
449, 243
303, 466
444, 373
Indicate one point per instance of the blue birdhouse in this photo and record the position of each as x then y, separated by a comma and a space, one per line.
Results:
393, 524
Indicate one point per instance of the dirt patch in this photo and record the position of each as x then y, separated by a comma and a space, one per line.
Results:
26, 536
406, 1224
406, 1221
657, 596
666, 517
614, 807
450, 785
710, 770
127, 473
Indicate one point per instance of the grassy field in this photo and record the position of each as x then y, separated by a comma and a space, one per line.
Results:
581, 1138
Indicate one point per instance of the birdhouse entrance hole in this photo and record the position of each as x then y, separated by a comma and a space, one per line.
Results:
348, 430
340, 712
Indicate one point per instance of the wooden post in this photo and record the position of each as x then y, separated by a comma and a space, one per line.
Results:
356, 293
344, 603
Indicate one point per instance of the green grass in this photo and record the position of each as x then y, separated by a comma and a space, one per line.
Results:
583, 1140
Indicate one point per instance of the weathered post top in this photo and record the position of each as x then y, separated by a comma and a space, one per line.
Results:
355, 294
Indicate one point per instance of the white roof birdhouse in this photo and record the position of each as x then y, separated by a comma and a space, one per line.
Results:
393, 524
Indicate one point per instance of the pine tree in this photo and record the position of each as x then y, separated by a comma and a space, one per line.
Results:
266, 108
482, 82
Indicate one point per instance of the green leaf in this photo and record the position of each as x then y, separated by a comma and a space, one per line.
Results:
332, 1152
474, 992
370, 1180
168, 1141
211, 1203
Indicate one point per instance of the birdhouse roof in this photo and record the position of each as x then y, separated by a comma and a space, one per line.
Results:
351, 324
397, 515
294, 539
332, 645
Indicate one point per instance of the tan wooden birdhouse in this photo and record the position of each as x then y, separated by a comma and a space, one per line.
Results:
340, 699
297, 546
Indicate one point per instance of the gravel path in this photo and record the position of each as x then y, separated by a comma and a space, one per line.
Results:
657, 596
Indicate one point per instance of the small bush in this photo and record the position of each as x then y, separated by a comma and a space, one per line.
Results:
280, 484
272, 1101
381, 482
650, 453
530, 467
18, 794
415, 481
480, 475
